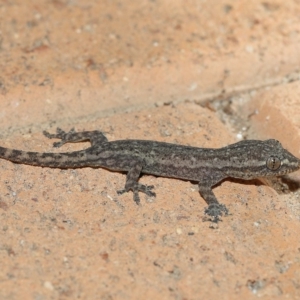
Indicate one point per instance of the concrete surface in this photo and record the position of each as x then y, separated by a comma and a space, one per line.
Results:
201, 73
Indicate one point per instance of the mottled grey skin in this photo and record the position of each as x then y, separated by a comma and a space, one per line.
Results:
243, 160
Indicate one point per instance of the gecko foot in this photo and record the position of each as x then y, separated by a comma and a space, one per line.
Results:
60, 134
146, 189
215, 211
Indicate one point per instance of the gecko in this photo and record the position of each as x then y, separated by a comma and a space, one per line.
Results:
247, 159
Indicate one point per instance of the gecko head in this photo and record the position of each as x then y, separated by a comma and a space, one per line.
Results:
278, 161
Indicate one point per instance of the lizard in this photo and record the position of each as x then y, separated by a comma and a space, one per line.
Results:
247, 159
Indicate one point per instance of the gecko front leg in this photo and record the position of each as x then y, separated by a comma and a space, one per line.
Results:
215, 209
133, 185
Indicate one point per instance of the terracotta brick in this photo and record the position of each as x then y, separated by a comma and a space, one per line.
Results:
275, 113
136, 69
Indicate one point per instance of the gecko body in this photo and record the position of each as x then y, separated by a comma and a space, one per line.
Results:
208, 166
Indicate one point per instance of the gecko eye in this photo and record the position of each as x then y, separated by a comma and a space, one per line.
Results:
273, 163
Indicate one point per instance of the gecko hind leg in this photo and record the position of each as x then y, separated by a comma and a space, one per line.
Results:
133, 185
94, 137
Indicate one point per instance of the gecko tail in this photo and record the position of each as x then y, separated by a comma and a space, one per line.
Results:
52, 160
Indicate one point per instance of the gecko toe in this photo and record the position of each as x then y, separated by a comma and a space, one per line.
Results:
120, 192
58, 135
58, 144
139, 188
151, 194
60, 131
147, 189
136, 198
47, 134
150, 187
